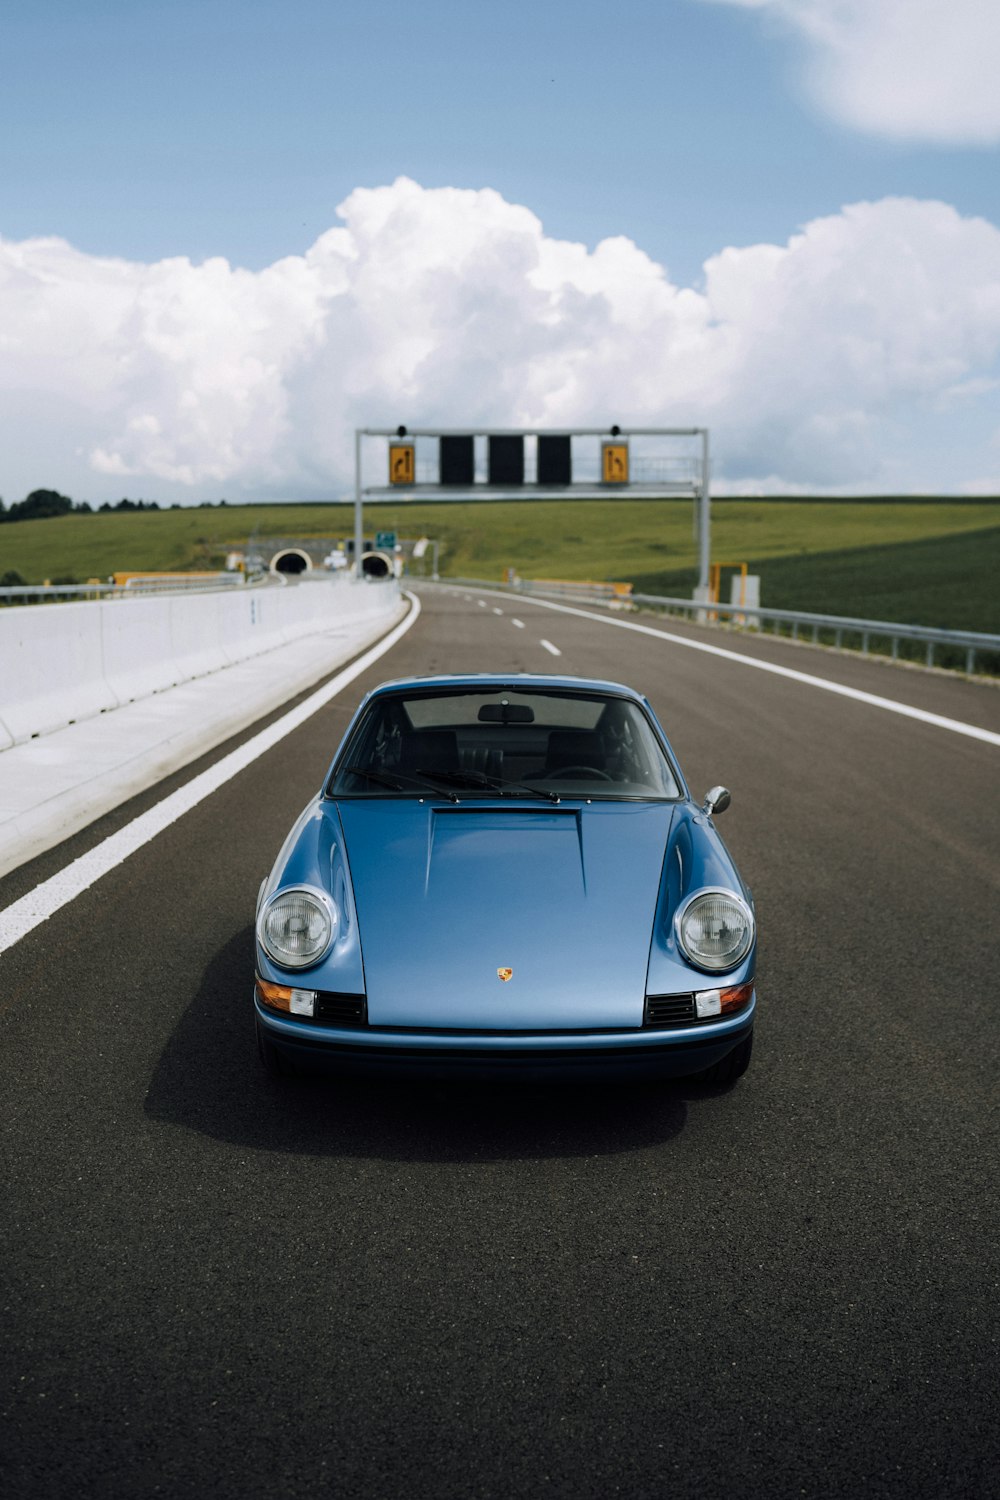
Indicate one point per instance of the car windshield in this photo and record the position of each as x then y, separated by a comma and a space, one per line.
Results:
544, 742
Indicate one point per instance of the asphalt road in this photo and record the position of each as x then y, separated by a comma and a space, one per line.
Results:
217, 1285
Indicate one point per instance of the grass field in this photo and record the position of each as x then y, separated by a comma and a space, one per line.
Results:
922, 561
952, 581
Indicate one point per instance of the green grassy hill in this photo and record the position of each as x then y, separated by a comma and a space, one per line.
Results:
952, 582
925, 561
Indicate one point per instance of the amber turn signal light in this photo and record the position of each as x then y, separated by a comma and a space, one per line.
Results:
283, 997
722, 1002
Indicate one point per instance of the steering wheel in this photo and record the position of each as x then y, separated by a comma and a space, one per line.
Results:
589, 773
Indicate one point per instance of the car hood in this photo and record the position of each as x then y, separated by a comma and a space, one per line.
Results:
450, 896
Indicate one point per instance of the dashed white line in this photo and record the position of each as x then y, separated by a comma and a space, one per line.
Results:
549, 647
497, 611
23, 916
518, 623
956, 726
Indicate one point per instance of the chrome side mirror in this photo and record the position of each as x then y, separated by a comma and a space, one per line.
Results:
717, 800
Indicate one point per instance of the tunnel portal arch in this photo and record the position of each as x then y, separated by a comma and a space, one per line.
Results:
292, 561
377, 565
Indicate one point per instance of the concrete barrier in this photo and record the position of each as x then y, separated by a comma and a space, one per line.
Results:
51, 669
62, 663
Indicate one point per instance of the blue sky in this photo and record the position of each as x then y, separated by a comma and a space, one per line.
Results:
216, 128
147, 131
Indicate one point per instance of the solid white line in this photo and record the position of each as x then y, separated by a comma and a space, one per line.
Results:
22, 916
549, 647
956, 726
518, 623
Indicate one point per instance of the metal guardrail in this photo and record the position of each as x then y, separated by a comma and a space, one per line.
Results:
560, 587
841, 631
53, 593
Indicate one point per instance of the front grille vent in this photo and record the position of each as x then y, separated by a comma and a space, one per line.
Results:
340, 1010
670, 1010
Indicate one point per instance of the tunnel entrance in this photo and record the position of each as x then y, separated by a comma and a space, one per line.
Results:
376, 565
292, 560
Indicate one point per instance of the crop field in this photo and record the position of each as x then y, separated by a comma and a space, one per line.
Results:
932, 562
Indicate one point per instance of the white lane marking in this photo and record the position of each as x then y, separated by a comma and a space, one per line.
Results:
956, 726
497, 611
549, 647
23, 916
481, 603
518, 623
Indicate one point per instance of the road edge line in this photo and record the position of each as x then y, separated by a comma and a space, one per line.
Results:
45, 899
874, 700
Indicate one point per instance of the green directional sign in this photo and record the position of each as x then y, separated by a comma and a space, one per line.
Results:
385, 540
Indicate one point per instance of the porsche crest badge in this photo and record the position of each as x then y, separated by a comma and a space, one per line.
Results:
505, 974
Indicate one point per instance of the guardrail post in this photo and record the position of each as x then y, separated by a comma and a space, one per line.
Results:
970, 660
930, 653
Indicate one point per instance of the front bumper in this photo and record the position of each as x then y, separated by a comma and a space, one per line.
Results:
672, 1053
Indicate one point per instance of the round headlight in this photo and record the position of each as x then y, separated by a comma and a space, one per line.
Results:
715, 929
297, 926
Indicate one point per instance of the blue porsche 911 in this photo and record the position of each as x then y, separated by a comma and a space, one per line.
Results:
506, 875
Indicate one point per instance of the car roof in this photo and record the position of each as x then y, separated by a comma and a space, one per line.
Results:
511, 680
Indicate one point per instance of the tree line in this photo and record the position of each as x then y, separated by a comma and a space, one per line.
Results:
41, 504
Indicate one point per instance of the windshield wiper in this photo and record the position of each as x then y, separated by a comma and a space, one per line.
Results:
533, 791
379, 776
420, 782
487, 783
426, 779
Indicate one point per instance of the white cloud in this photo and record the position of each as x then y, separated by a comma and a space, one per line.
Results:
829, 361
923, 70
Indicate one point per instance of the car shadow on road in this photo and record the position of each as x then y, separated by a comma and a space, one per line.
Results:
209, 1079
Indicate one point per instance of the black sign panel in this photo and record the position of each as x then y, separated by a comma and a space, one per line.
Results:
555, 464
457, 463
507, 460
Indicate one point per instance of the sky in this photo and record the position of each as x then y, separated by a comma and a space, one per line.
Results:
231, 233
